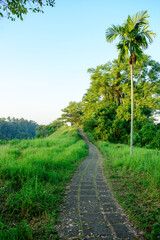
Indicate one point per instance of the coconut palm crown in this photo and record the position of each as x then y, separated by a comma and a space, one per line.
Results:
134, 36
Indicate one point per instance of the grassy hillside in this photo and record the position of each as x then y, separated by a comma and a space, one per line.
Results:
33, 174
136, 182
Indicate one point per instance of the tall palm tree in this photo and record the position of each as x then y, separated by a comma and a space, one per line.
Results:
134, 38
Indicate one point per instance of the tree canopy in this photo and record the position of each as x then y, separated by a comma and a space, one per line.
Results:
17, 8
11, 128
72, 113
105, 107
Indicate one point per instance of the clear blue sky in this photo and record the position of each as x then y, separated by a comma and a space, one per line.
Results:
44, 58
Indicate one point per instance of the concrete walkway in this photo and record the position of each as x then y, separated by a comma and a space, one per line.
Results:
90, 211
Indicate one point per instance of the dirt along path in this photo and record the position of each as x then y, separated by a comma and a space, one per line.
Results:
90, 210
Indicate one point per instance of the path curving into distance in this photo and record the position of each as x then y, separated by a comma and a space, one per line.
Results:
91, 211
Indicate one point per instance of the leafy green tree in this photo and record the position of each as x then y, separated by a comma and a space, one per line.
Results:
100, 120
108, 80
17, 8
119, 132
134, 36
105, 114
11, 128
72, 113
106, 105
147, 133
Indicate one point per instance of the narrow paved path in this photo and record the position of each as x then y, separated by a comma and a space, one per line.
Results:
90, 211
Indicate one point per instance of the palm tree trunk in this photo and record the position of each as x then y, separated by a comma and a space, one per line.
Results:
132, 107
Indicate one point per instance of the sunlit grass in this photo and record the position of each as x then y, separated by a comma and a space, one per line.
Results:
33, 174
136, 182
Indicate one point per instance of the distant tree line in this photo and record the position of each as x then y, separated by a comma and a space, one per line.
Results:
104, 111
11, 128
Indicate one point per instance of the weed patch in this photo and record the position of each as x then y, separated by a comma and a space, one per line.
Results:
135, 181
33, 176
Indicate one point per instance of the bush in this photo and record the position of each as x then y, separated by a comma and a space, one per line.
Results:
119, 132
147, 133
89, 125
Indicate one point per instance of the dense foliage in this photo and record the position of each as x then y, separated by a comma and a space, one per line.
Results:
17, 8
11, 128
106, 106
46, 130
72, 113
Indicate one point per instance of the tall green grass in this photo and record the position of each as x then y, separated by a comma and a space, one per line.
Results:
136, 182
33, 175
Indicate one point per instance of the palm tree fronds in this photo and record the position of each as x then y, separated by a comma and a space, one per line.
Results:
129, 24
148, 34
112, 33
123, 51
140, 19
134, 35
